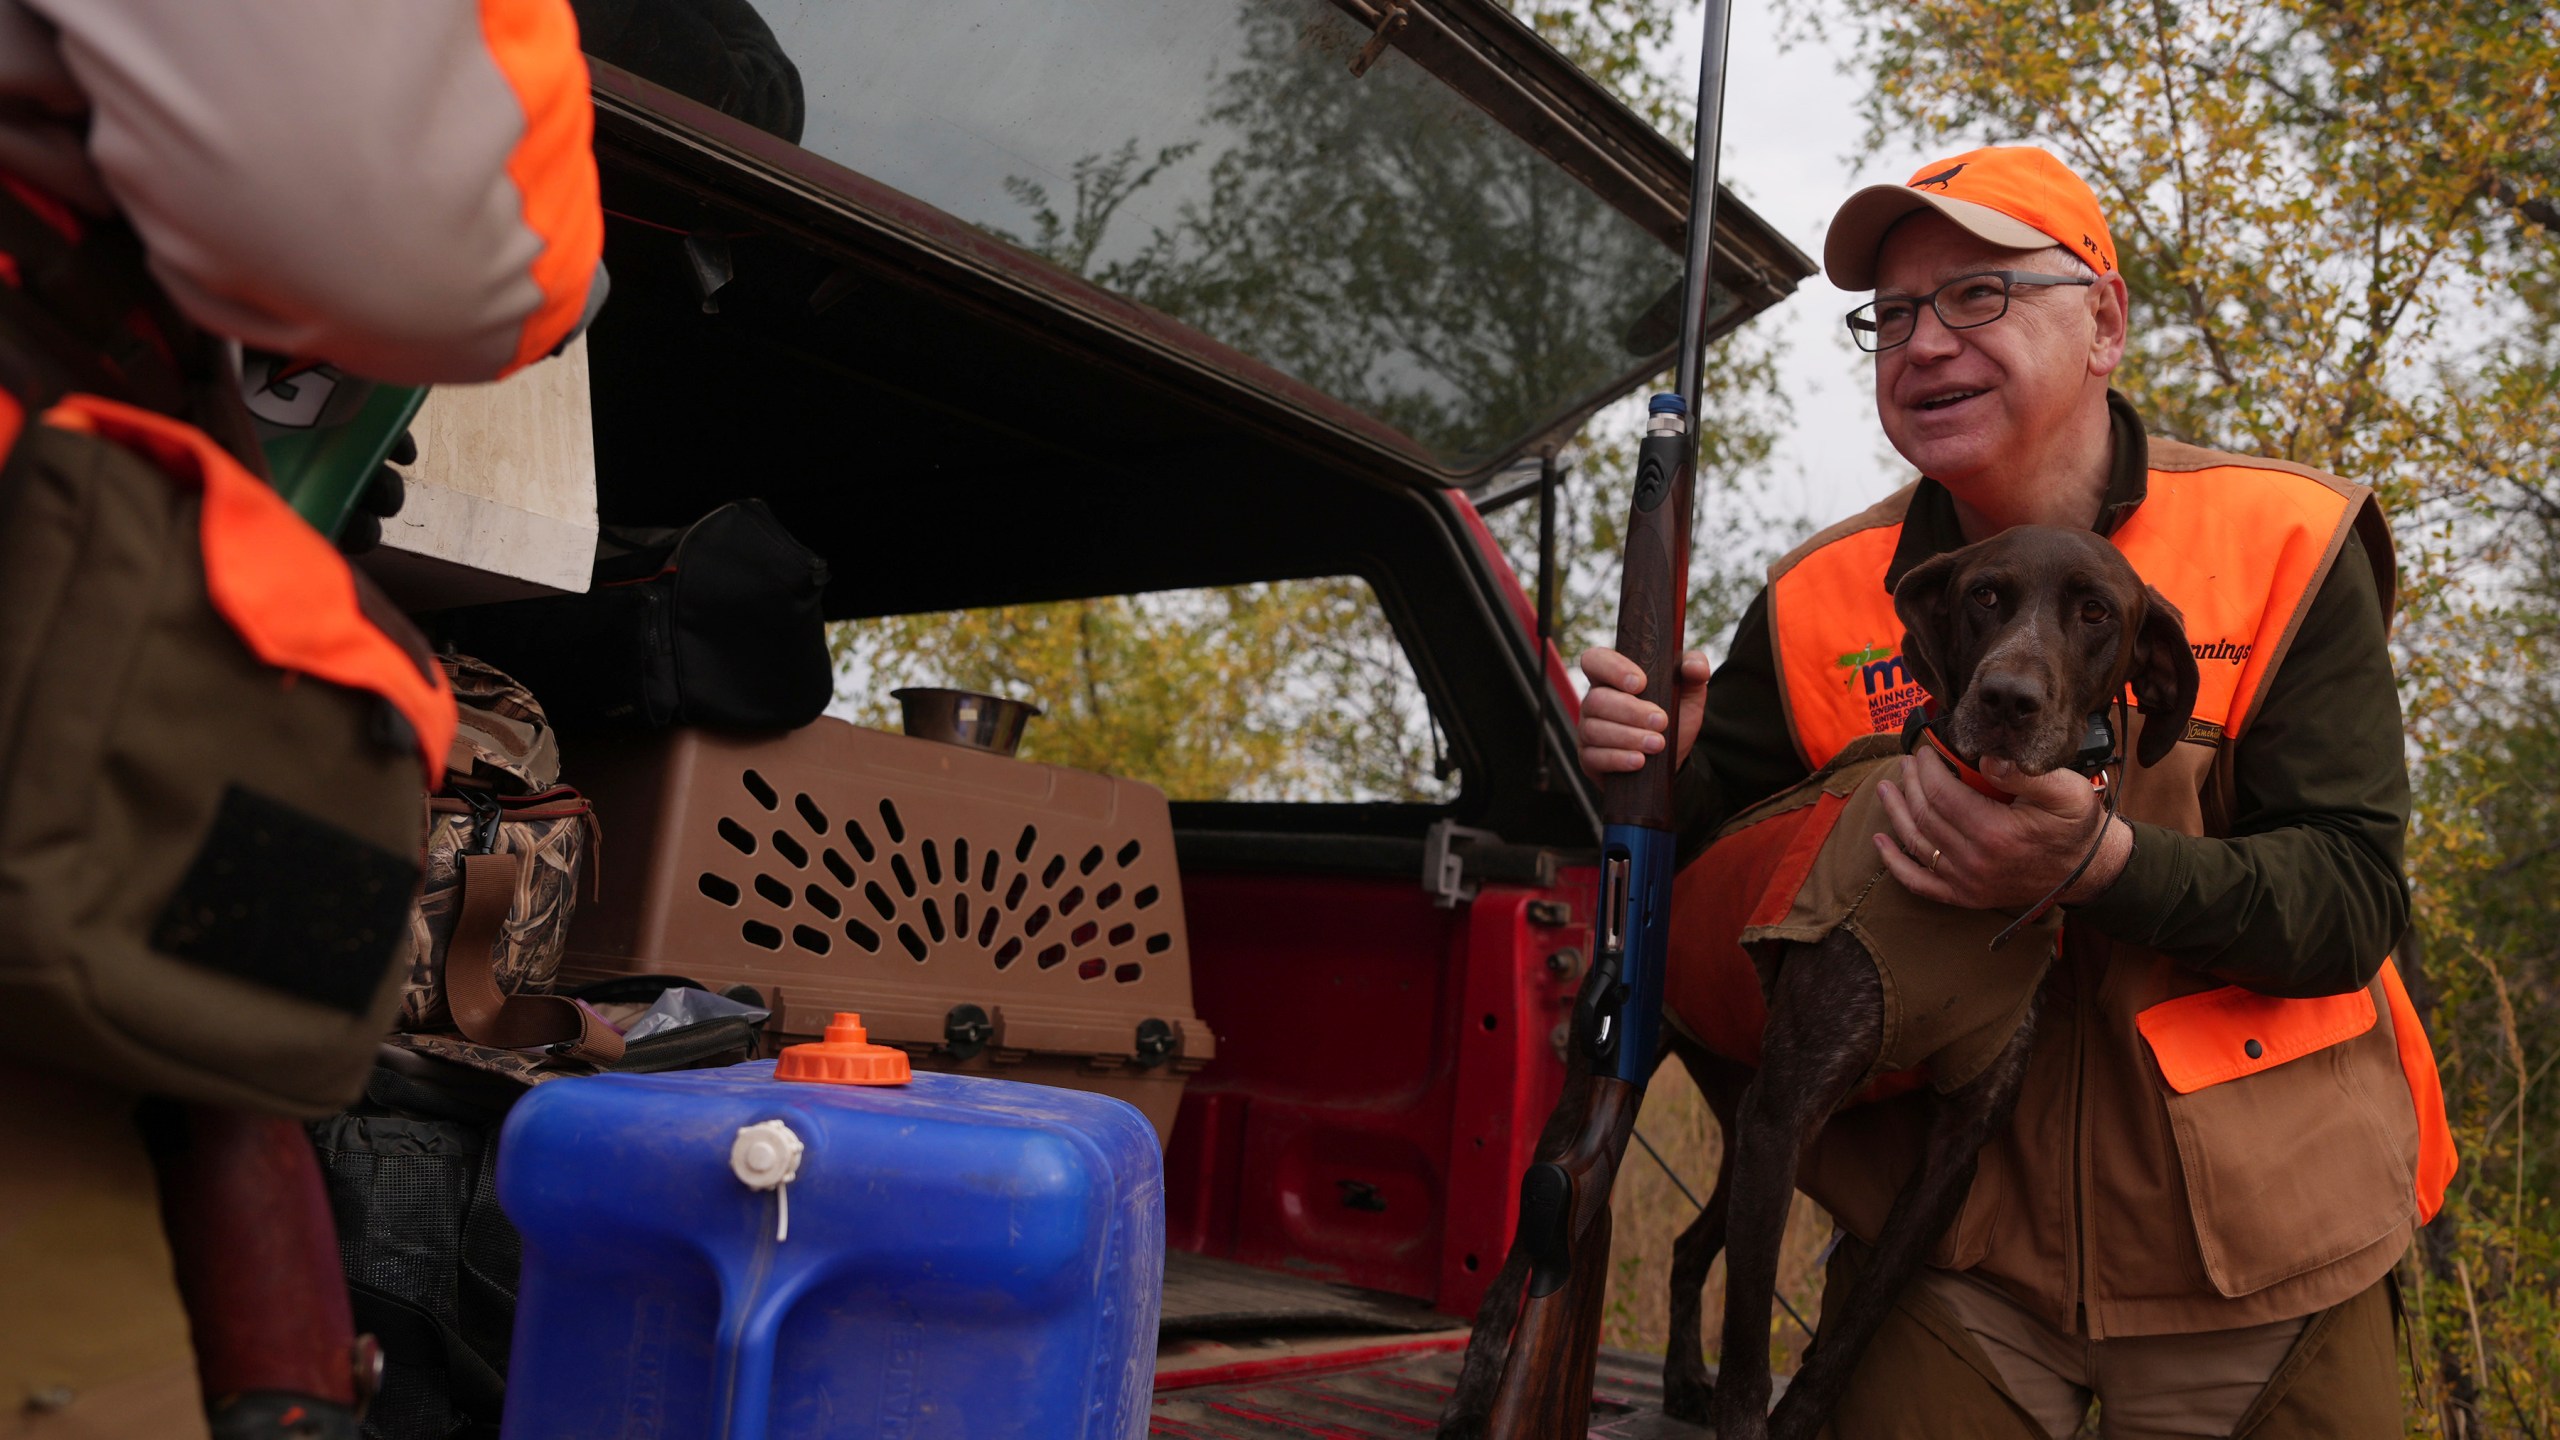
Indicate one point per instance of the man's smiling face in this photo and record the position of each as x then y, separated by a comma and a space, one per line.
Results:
1956, 401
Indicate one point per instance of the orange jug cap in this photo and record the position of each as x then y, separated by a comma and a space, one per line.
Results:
845, 1057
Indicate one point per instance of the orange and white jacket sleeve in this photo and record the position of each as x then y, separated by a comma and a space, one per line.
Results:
406, 190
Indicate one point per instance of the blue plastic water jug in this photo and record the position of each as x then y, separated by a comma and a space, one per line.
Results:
721, 1253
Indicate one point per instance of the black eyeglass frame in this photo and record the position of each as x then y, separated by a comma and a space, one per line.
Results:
1862, 322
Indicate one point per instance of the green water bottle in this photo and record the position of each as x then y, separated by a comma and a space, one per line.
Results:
325, 432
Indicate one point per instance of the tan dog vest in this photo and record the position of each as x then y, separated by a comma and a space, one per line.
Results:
1806, 868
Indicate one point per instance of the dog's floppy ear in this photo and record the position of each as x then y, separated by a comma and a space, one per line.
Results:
2163, 676
1922, 602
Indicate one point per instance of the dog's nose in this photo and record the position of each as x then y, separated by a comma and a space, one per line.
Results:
2010, 699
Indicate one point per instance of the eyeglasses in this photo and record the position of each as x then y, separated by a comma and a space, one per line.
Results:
1964, 303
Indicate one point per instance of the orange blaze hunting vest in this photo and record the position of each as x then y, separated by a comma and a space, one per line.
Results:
2186, 1155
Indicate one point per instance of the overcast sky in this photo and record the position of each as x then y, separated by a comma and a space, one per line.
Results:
1791, 148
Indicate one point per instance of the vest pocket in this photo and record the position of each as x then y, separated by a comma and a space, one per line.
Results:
2293, 1157
2207, 1038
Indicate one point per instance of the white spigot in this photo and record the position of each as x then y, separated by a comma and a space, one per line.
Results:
766, 1156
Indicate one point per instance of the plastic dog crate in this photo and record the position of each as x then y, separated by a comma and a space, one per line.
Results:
985, 914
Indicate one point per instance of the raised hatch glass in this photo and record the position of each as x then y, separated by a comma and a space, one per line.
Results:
1377, 237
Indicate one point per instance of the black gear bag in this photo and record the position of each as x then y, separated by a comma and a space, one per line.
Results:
716, 624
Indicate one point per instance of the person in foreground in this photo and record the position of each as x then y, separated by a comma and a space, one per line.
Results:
2230, 1125
215, 735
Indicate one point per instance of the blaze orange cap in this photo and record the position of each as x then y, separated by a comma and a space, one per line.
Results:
2015, 196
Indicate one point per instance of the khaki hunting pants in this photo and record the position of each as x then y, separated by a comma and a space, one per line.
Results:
1958, 1360
93, 1337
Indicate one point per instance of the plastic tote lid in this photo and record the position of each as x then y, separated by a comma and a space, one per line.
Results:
845, 1057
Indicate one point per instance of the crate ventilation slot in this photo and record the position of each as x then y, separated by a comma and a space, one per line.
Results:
885, 886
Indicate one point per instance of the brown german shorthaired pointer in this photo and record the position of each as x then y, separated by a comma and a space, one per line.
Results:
2027, 643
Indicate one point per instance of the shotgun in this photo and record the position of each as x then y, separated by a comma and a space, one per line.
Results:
1545, 1389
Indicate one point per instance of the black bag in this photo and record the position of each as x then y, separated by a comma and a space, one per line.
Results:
431, 1259
431, 1266
716, 624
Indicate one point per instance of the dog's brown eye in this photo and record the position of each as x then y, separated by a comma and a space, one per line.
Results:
1985, 596
2092, 611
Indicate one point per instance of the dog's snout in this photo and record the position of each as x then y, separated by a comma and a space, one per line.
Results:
2008, 698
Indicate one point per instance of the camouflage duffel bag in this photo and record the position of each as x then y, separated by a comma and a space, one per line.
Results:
506, 846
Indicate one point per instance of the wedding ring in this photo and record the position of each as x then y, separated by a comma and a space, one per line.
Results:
1935, 855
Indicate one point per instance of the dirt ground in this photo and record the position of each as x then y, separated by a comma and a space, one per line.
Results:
1650, 1212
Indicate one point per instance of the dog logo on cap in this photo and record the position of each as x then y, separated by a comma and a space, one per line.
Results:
1943, 178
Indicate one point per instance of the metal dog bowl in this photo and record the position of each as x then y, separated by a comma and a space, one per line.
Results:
964, 717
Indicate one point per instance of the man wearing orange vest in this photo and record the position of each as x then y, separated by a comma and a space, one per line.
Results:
408, 191
2230, 1124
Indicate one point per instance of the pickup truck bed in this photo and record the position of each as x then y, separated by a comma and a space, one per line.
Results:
1397, 1391
1248, 1354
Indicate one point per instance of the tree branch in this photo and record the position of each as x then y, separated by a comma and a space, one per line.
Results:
2128, 205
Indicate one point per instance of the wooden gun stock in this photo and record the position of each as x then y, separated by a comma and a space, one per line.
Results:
1564, 1225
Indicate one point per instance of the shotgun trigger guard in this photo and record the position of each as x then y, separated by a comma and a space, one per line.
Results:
1597, 1012
1546, 1233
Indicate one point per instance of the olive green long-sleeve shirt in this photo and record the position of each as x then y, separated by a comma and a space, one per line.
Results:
2304, 897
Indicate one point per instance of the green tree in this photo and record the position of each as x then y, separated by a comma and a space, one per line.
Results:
2341, 224
1290, 690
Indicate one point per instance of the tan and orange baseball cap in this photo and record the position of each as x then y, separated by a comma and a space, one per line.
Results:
2015, 196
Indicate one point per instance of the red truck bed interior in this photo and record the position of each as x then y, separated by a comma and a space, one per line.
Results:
1383, 1068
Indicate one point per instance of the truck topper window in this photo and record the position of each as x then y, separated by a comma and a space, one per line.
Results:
1377, 236
1293, 690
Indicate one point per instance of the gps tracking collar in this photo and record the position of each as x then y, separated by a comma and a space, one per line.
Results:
2097, 747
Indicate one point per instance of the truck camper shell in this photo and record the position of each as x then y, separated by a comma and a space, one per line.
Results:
996, 304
